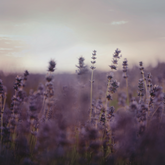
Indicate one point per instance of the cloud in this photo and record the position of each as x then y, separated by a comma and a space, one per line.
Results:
140, 7
89, 19
119, 22
53, 27
10, 47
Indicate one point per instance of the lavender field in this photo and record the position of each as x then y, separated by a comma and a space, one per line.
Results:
87, 118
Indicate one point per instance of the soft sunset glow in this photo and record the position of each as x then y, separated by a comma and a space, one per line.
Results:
33, 32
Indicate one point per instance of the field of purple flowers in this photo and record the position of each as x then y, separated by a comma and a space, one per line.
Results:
86, 118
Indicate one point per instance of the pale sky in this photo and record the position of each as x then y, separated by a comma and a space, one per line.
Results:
34, 31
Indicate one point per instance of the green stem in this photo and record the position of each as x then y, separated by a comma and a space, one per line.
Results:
107, 102
154, 112
91, 94
145, 85
1, 116
127, 91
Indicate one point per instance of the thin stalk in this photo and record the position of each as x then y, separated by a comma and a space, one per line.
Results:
2, 115
154, 112
140, 99
47, 113
148, 115
162, 114
1, 102
4, 102
95, 117
14, 101
127, 91
149, 102
43, 106
145, 85
96, 124
91, 94
149, 88
107, 102
32, 138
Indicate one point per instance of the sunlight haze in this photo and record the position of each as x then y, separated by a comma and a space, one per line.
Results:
33, 32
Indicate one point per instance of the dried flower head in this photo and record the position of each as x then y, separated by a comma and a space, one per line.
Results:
141, 67
113, 67
52, 65
110, 76
125, 65
26, 73
113, 86
93, 58
116, 54
82, 68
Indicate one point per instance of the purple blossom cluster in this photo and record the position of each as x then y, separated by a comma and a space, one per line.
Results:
56, 121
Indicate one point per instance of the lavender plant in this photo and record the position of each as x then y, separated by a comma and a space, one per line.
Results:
141, 90
112, 84
49, 93
111, 89
92, 81
82, 68
125, 76
113, 67
2, 104
63, 133
143, 77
